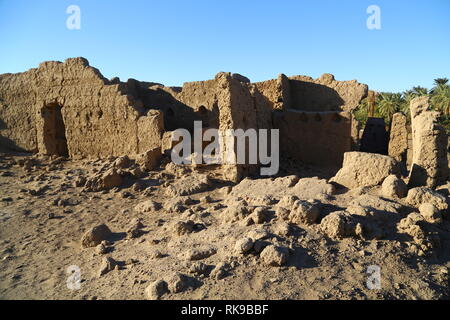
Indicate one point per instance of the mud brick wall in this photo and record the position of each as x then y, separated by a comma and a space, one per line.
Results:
72, 101
319, 138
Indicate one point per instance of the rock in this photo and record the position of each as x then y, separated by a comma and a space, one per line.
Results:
101, 249
188, 185
260, 245
134, 231
274, 255
304, 212
155, 254
181, 228
176, 169
261, 192
259, 215
420, 195
106, 181
244, 245
200, 253
364, 169
111, 179
167, 142
122, 162
198, 268
178, 282
149, 160
219, 272
147, 206
95, 236
297, 211
283, 213
282, 229
376, 204
430, 213
288, 202
156, 290
333, 225
411, 226
108, 264
394, 187
312, 188
341, 224
236, 212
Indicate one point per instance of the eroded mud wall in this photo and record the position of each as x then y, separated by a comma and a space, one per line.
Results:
101, 119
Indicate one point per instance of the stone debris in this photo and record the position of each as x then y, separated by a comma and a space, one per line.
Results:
198, 268
430, 213
394, 187
420, 195
189, 185
364, 169
156, 290
106, 181
108, 264
200, 253
377, 204
273, 255
95, 236
150, 159
178, 282
244, 245
148, 206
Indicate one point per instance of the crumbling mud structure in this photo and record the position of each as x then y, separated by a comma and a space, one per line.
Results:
87, 182
70, 109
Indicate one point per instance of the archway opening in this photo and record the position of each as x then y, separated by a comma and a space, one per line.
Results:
54, 131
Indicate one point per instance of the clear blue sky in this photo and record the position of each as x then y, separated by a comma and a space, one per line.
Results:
172, 42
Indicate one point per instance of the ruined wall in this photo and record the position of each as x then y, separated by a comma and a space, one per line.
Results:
99, 119
17, 116
319, 138
276, 92
325, 93
430, 162
70, 108
398, 142
236, 111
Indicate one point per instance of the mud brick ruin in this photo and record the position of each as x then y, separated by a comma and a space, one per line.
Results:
70, 109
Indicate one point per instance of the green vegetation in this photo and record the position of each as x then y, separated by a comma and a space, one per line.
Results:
388, 103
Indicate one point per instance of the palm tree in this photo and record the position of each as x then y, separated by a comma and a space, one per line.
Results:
419, 91
440, 100
440, 81
388, 104
408, 95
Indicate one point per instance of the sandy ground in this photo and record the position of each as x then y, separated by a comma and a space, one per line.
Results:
43, 217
